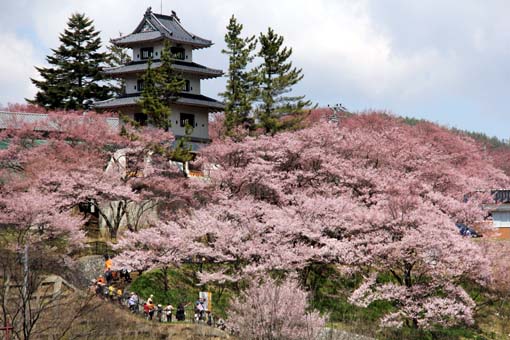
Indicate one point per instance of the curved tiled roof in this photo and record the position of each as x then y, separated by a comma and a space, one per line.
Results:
173, 26
161, 26
182, 66
138, 37
184, 98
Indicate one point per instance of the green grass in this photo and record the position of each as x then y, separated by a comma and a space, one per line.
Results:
183, 288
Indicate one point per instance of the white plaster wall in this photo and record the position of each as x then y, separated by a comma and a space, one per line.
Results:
128, 111
194, 83
188, 53
131, 85
201, 128
158, 47
137, 56
132, 82
501, 219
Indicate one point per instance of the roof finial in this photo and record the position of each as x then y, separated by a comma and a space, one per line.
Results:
174, 14
148, 11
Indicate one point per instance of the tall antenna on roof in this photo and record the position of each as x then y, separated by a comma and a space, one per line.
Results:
161, 7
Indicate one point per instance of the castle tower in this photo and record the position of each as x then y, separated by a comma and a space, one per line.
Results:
147, 41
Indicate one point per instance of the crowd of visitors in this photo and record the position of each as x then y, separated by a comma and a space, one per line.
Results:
105, 288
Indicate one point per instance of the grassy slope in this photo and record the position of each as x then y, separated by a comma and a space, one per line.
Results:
183, 288
112, 322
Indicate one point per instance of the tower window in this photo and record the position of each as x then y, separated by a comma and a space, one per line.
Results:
139, 85
187, 119
147, 52
187, 86
178, 52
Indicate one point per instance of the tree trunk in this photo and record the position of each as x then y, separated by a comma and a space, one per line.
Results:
407, 275
166, 285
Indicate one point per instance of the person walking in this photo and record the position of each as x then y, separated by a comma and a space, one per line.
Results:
180, 315
108, 275
107, 263
199, 310
151, 308
119, 296
133, 302
159, 313
168, 312
111, 292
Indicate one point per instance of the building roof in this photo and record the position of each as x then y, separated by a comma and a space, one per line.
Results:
158, 26
138, 37
179, 65
18, 119
184, 98
501, 195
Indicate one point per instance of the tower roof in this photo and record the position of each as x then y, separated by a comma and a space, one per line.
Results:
185, 67
188, 99
154, 27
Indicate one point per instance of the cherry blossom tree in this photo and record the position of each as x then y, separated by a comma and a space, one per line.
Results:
274, 311
370, 194
84, 159
161, 247
373, 194
497, 252
49, 168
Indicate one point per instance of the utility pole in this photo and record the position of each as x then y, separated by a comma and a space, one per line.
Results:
24, 291
337, 110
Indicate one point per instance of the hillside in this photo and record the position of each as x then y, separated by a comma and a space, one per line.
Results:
105, 320
358, 215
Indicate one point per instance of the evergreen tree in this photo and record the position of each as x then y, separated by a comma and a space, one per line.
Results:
161, 87
73, 81
240, 90
172, 82
117, 56
182, 151
151, 99
276, 77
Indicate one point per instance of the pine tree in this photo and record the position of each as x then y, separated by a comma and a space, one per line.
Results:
172, 82
276, 77
151, 99
161, 87
73, 81
240, 90
182, 151
117, 56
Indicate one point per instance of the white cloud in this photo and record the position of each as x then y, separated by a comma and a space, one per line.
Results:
337, 39
395, 54
16, 67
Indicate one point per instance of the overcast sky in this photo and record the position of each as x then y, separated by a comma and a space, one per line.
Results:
447, 61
